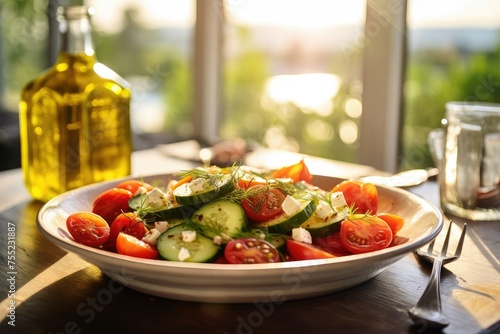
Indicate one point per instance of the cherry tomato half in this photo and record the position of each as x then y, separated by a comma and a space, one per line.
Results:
264, 205
88, 228
297, 172
134, 185
362, 234
250, 250
395, 222
129, 245
111, 203
129, 223
332, 244
363, 196
303, 251
248, 181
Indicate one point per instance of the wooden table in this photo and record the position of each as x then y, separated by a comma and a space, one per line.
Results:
56, 292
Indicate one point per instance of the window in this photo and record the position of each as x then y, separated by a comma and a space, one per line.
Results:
453, 54
23, 47
328, 81
291, 78
150, 44
156, 55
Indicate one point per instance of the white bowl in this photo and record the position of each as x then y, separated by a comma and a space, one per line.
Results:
237, 283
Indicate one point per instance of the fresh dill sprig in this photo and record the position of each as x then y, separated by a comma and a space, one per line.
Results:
210, 228
257, 233
218, 232
286, 188
240, 194
214, 175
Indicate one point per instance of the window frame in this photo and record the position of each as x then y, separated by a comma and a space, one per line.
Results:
383, 44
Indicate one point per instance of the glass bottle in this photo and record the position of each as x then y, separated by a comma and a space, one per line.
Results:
75, 117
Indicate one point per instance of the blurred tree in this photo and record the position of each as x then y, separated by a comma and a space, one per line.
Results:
435, 77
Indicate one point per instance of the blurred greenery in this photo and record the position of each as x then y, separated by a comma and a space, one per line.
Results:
435, 77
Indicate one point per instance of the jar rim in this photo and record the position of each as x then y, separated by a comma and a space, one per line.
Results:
473, 107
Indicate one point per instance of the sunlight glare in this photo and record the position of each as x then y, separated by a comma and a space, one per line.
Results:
307, 91
348, 132
311, 14
319, 130
353, 107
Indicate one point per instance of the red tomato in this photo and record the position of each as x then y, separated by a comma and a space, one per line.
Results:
297, 172
129, 223
363, 196
395, 222
88, 228
332, 244
362, 234
247, 182
221, 259
134, 185
264, 205
129, 245
303, 251
111, 203
250, 250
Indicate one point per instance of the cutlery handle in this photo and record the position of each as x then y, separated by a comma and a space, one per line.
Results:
431, 298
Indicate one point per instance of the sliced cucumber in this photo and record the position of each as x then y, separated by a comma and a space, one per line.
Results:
221, 216
284, 223
166, 212
319, 227
278, 241
171, 246
185, 195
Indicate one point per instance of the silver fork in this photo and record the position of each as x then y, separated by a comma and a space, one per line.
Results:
428, 310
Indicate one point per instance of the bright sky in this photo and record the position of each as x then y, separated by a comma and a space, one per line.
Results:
446, 13
302, 13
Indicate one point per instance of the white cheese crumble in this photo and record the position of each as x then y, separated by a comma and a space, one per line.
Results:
338, 200
141, 190
290, 205
184, 254
155, 198
151, 236
324, 211
197, 185
161, 226
188, 236
217, 240
300, 234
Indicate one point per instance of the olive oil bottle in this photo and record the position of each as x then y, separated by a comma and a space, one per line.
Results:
74, 118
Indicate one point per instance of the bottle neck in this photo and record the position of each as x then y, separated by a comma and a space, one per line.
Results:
76, 34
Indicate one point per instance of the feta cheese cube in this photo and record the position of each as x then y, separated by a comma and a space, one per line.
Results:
151, 236
300, 234
290, 205
188, 236
197, 185
338, 200
162, 226
324, 211
155, 199
141, 190
184, 254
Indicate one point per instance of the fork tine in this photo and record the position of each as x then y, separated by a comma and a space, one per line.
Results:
458, 252
446, 240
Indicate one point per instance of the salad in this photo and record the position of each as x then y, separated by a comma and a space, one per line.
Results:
237, 215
